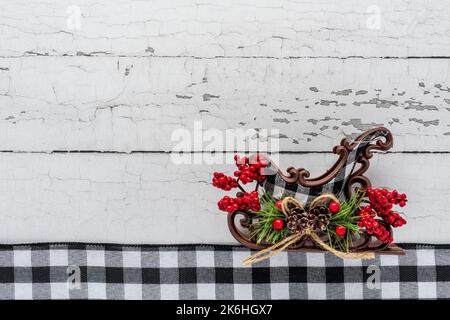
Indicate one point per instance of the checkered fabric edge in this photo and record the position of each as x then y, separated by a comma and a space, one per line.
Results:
110, 271
275, 185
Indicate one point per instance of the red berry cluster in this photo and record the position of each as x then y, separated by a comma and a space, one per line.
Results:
380, 204
373, 227
245, 201
224, 182
249, 169
382, 201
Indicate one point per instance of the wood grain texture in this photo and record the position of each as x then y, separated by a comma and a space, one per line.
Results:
126, 104
209, 28
145, 198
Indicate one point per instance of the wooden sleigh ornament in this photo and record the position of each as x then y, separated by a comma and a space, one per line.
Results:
342, 179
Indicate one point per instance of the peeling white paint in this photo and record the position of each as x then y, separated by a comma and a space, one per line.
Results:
234, 28
144, 198
89, 103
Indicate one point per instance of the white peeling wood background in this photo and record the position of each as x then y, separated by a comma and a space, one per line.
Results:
87, 107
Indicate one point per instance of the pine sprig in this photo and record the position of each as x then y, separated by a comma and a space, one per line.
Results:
262, 230
348, 218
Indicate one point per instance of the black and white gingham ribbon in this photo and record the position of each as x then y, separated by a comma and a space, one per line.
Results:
42, 271
276, 186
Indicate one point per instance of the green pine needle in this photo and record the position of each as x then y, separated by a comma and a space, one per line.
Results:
348, 218
262, 230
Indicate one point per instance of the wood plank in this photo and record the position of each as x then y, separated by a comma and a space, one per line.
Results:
276, 28
126, 104
146, 198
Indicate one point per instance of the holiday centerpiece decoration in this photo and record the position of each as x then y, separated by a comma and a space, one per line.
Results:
338, 212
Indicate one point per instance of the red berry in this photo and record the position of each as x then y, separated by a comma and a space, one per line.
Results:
278, 224
382, 202
341, 231
223, 182
334, 206
249, 169
279, 205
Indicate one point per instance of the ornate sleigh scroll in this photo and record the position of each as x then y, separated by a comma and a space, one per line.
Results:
346, 174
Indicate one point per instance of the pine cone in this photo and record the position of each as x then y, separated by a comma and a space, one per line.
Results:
316, 218
294, 218
322, 215
300, 219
